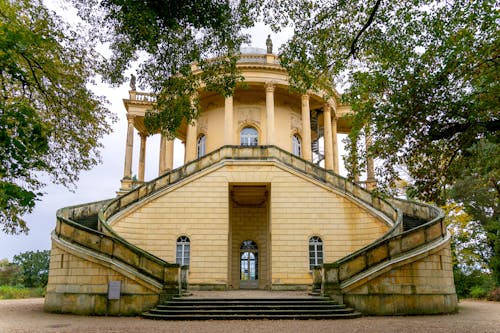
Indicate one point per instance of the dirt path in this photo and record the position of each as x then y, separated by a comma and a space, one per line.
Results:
26, 315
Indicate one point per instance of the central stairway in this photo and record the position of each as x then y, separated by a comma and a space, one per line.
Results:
200, 308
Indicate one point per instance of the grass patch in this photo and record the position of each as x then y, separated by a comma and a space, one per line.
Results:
13, 292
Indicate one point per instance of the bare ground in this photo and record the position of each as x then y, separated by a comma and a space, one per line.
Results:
26, 315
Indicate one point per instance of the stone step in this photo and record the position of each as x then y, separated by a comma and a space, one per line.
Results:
191, 308
251, 306
268, 316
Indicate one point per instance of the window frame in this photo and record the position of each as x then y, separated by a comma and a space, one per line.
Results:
245, 139
296, 145
183, 250
316, 252
201, 143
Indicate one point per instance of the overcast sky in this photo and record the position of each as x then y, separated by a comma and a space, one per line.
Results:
104, 180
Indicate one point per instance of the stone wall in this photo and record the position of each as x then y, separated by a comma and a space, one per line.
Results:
424, 286
78, 283
300, 208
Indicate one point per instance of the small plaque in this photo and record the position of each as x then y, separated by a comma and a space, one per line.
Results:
114, 288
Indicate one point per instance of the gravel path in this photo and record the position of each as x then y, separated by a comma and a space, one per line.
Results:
26, 315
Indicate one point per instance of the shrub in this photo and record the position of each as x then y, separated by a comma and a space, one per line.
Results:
478, 292
12, 292
494, 295
473, 284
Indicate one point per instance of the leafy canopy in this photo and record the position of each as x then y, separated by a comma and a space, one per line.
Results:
164, 38
50, 122
423, 79
33, 267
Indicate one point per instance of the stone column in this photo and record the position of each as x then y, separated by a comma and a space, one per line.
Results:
169, 155
270, 113
142, 157
166, 155
306, 129
191, 142
335, 147
370, 167
129, 148
161, 161
327, 123
228, 121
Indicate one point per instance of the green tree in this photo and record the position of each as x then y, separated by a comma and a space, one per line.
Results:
50, 122
423, 78
164, 38
9, 273
478, 189
34, 267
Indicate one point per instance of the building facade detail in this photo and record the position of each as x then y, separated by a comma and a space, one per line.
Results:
257, 204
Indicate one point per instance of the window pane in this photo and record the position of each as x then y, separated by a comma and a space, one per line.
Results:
249, 137
296, 146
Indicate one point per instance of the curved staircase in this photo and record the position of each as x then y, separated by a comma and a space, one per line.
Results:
362, 279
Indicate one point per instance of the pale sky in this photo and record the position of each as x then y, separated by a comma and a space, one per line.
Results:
104, 180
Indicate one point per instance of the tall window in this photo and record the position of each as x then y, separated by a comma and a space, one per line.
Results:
296, 146
249, 137
315, 252
201, 145
182, 251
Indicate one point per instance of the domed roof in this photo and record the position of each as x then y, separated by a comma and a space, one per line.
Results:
252, 50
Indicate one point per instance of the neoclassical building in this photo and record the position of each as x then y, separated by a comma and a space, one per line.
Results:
258, 204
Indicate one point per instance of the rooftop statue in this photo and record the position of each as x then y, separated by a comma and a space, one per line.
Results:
132, 82
269, 44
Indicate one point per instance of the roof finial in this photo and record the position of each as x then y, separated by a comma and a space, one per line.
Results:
269, 44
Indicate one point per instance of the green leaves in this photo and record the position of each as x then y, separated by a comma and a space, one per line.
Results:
164, 39
49, 120
34, 267
425, 83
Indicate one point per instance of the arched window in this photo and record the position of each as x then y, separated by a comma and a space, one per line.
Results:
249, 137
182, 251
296, 146
315, 252
201, 145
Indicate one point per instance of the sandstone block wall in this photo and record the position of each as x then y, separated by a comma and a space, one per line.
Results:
424, 286
78, 284
299, 208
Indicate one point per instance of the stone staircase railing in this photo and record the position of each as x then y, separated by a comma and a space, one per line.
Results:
263, 153
69, 229
338, 274
334, 276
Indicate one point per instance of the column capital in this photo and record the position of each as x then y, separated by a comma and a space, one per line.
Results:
130, 117
269, 86
305, 97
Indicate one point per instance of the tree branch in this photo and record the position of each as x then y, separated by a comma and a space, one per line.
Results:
367, 24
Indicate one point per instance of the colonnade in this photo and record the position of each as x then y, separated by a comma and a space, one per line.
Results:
167, 146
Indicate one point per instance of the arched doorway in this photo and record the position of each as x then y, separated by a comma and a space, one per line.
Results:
249, 265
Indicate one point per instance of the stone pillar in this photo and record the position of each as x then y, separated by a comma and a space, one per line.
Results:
169, 155
142, 157
370, 167
191, 142
306, 129
166, 155
335, 147
327, 123
228, 121
161, 161
270, 113
129, 149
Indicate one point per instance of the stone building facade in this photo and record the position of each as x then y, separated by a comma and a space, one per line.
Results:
258, 204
